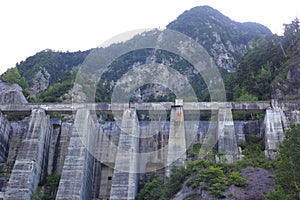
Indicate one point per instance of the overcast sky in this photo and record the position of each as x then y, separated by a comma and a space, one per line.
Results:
29, 26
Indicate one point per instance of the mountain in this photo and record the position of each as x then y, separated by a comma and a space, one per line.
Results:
46, 68
224, 39
253, 62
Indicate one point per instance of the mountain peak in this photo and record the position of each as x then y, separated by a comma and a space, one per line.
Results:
224, 39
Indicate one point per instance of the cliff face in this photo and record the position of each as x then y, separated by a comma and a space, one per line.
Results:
40, 82
225, 40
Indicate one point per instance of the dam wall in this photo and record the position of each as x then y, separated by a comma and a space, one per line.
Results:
100, 159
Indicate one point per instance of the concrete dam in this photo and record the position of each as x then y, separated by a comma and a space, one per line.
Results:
99, 157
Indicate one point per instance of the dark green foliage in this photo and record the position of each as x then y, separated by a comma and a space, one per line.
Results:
254, 155
287, 167
11, 76
259, 67
236, 179
277, 194
37, 195
194, 150
152, 190
47, 189
265, 66
205, 174
54, 93
291, 35
245, 96
55, 63
174, 182
212, 179
14, 117
155, 189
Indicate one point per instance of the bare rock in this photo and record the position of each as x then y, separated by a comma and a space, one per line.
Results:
40, 82
11, 93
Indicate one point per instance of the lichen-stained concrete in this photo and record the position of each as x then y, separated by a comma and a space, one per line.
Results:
177, 142
32, 158
5, 130
76, 178
275, 125
227, 142
97, 160
125, 177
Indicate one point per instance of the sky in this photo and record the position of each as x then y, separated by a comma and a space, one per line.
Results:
30, 26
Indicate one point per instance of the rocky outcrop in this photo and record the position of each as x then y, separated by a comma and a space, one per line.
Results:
224, 39
260, 181
11, 93
39, 83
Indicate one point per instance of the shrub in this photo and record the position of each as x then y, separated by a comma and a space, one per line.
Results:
237, 179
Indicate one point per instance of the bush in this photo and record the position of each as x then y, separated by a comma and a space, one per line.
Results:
152, 190
236, 179
174, 182
277, 194
11, 76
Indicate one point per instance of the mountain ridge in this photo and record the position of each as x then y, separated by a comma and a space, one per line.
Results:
224, 39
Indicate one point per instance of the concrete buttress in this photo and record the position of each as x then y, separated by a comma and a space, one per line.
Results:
177, 141
76, 179
125, 177
32, 160
227, 142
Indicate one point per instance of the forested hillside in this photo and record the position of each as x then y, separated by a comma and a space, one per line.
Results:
254, 63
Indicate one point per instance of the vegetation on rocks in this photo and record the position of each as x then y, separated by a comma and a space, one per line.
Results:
287, 167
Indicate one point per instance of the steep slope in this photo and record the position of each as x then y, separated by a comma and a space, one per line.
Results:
287, 84
225, 40
270, 69
47, 68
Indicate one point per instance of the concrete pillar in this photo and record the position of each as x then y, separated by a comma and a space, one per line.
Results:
295, 117
125, 177
31, 162
275, 124
77, 175
5, 130
62, 146
227, 142
177, 141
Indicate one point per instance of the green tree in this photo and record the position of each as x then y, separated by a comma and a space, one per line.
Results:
152, 190
246, 96
11, 76
287, 166
291, 34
